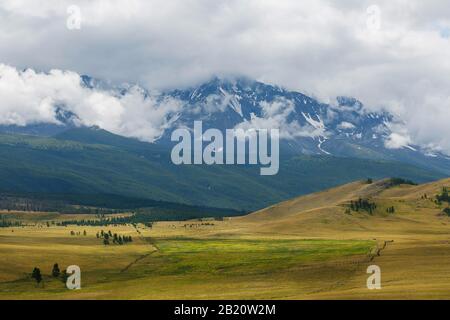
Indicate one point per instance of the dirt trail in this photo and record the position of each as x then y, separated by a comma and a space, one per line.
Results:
150, 242
354, 265
379, 249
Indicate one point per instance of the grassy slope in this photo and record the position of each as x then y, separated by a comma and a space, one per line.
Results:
325, 210
413, 266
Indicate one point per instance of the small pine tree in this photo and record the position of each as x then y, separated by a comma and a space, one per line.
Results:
56, 272
36, 275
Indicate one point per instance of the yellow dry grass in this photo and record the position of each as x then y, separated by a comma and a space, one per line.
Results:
309, 247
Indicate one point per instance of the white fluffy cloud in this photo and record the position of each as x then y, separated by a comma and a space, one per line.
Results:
396, 141
276, 114
320, 47
346, 125
28, 97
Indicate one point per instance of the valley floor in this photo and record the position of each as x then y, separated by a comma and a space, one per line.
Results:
172, 262
305, 248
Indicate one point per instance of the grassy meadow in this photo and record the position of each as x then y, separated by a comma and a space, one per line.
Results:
176, 266
311, 247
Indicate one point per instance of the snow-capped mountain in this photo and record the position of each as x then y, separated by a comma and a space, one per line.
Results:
306, 125
343, 128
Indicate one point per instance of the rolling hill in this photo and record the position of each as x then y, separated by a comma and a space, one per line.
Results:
412, 242
329, 211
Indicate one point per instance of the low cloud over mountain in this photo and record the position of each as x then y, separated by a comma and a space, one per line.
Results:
28, 97
390, 56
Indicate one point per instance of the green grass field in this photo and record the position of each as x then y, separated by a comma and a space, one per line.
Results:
166, 267
309, 247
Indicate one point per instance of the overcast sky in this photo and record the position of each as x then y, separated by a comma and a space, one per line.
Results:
393, 54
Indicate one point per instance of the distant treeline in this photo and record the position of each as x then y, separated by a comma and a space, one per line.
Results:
398, 181
139, 217
444, 196
362, 204
9, 224
36, 203
144, 209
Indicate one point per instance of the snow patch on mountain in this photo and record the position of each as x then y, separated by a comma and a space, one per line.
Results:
275, 115
321, 141
344, 125
232, 101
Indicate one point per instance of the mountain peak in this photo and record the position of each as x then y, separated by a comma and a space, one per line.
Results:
306, 125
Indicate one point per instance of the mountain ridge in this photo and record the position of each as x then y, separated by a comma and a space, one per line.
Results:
344, 128
94, 161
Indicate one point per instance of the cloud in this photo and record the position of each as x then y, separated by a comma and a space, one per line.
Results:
346, 125
397, 141
320, 47
29, 97
275, 115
